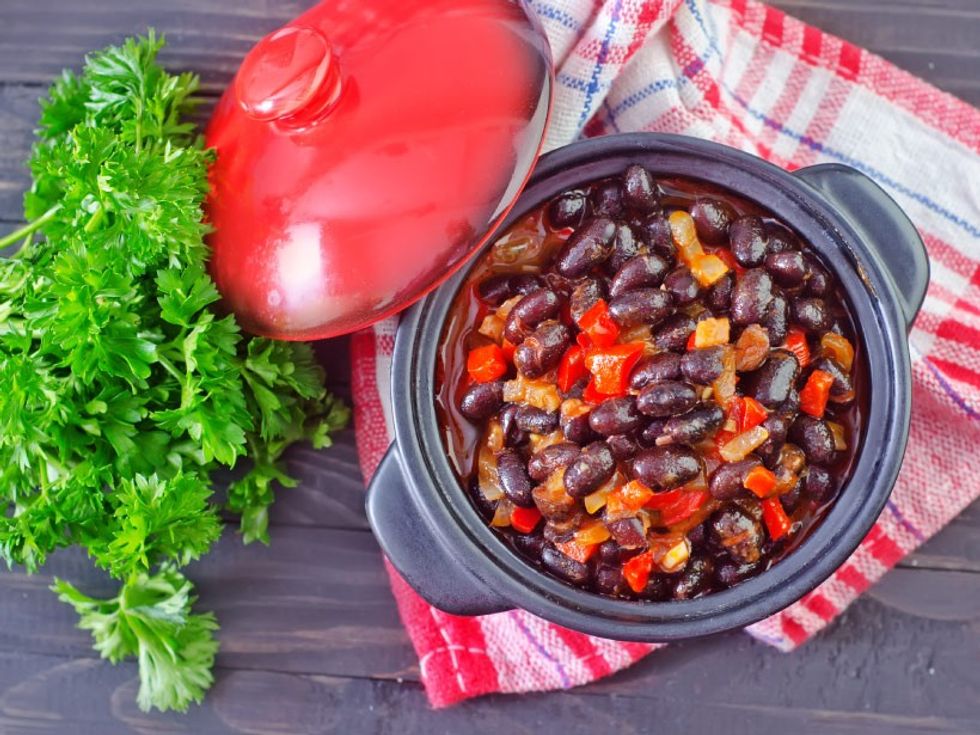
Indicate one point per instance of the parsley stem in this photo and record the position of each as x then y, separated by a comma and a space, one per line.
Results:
29, 228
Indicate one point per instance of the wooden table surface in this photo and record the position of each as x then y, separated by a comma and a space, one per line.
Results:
310, 639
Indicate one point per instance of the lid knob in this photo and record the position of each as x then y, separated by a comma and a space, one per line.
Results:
290, 73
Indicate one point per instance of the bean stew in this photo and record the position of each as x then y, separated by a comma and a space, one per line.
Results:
651, 388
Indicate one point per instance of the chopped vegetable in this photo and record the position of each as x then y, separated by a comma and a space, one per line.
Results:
777, 522
685, 236
744, 444
538, 393
676, 557
708, 268
629, 498
747, 413
760, 481
751, 348
486, 363
571, 369
525, 520
729, 260
592, 533
502, 513
838, 349
723, 388
611, 367
574, 550
492, 327
840, 442
598, 325
816, 392
797, 344
636, 571
686, 506
712, 332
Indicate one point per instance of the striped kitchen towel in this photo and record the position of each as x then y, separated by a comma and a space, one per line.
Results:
746, 75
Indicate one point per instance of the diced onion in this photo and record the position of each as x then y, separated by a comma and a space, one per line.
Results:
501, 516
840, 443
676, 557
708, 268
685, 236
593, 533
538, 393
838, 349
712, 332
744, 444
492, 327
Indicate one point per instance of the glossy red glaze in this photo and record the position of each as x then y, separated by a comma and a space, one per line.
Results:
365, 151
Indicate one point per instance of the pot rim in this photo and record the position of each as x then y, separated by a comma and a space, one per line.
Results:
444, 505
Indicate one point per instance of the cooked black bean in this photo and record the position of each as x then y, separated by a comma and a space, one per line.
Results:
588, 247
530, 311
697, 536
726, 480
625, 245
771, 384
536, 420
514, 478
623, 446
543, 349
577, 429
616, 416
609, 579
665, 399
819, 282
790, 500
655, 369
593, 466
495, 290
607, 199
815, 438
666, 467
738, 534
584, 296
568, 209
639, 272
842, 388
674, 332
555, 506
642, 306
712, 218
751, 297
564, 567
628, 532
812, 314
682, 285
640, 191
513, 435
819, 483
719, 297
777, 425
560, 529
551, 458
703, 366
788, 268
530, 544
482, 400
776, 320
695, 425
730, 573
648, 436
696, 578
655, 232
659, 588
780, 239
747, 237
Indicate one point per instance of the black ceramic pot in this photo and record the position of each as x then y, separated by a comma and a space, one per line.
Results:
424, 519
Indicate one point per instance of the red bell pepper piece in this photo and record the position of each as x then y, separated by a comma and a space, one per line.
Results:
629, 498
690, 341
602, 331
797, 344
508, 348
685, 507
524, 520
775, 518
813, 397
753, 413
578, 552
636, 571
760, 480
728, 259
611, 367
571, 369
486, 363
592, 395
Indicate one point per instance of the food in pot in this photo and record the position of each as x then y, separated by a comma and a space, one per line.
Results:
651, 388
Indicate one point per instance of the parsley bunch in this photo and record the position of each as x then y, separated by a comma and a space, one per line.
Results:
123, 389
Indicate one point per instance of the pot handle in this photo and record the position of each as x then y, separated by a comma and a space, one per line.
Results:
426, 566
884, 226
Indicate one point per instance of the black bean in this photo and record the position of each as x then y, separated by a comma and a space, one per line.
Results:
792, 497
514, 478
623, 446
482, 400
747, 237
667, 398
536, 420
695, 425
738, 534
616, 416
625, 245
812, 314
751, 297
695, 580
607, 199
555, 506
681, 284
655, 369
666, 467
651, 432
842, 388
543, 349
639, 272
819, 483
628, 532
791, 406
703, 366
584, 296
819, 282
815, 439
729, 573
588, 247
655, 232
777, 425
780, 239
674, 332
771, 384
697, 536
726, 481
712, 218
561, 528
788, 268
497, 289
642, 306
529, 544
564, 567
568, 209
530, 311
659, 588
776, 320
640, 191
551, 458
719, 297
513, 435
608, 579
593, 466
576, 429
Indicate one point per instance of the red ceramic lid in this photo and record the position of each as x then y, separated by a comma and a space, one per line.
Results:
365, 150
